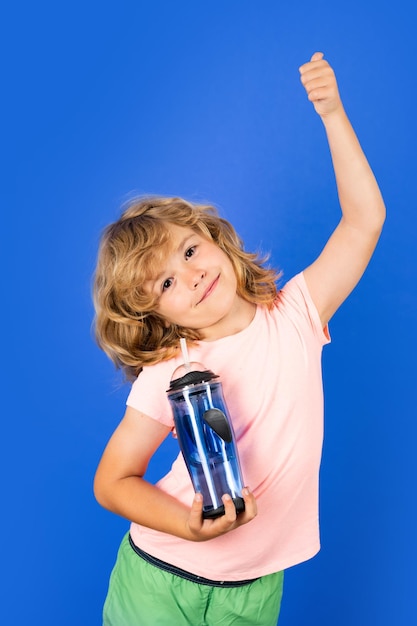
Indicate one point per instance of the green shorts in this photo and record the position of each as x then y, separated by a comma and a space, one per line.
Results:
142, 594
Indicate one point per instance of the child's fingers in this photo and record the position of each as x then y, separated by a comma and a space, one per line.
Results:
316, 61
230, 515
317, 56
322, 83
321, 71
195, 519
202, 529
319, 81
251, 508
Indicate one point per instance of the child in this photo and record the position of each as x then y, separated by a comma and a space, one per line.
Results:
168, 269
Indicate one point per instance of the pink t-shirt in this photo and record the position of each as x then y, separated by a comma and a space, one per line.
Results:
272, 383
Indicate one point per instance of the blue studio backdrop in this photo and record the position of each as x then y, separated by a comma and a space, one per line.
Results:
104, 100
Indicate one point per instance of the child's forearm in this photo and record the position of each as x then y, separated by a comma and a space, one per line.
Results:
359, 195
145, 504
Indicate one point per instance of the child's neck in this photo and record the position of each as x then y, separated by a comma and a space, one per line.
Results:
238, 319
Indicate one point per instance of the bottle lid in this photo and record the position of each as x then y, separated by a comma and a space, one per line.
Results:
194, 377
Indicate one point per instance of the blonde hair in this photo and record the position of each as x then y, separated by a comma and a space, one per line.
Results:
131, 250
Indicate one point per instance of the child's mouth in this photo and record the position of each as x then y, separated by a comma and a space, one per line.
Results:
210, 289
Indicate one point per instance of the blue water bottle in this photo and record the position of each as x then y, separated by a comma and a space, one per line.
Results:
206, 438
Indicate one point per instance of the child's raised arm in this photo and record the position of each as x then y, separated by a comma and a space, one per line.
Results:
344, 258
120, 487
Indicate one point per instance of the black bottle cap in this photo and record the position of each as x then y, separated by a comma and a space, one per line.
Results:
192, 378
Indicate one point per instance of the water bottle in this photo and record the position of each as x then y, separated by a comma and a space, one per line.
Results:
206, 438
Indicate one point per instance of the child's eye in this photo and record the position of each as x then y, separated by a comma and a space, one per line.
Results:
190, 251
166, 284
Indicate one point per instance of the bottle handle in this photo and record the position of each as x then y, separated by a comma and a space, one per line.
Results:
218, 421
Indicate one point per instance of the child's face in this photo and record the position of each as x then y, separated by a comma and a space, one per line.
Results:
197, 286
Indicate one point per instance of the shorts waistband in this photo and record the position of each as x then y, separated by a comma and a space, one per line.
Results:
177, 571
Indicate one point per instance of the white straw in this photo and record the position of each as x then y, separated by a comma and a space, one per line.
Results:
184, 351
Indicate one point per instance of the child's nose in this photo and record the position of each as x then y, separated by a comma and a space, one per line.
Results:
196, 278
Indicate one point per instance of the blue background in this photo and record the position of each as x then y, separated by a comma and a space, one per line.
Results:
102, 101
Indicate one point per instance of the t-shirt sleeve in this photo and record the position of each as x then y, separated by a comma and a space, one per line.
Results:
148, 393
296, 298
